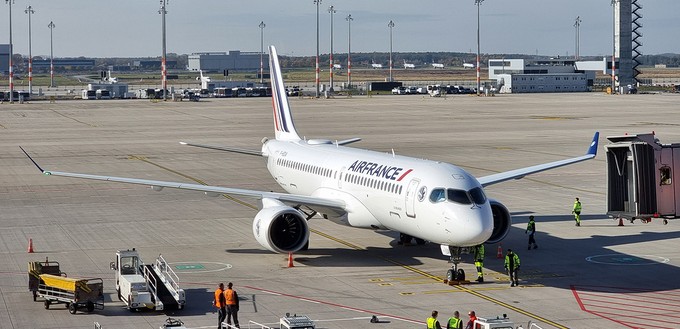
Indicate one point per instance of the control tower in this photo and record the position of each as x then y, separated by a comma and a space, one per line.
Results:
627, 41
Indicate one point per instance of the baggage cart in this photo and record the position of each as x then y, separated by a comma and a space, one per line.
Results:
74, 293
35, 269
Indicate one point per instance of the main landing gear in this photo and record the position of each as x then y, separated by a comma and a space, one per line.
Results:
455, 275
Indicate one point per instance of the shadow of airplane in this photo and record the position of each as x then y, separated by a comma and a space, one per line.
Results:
559, 262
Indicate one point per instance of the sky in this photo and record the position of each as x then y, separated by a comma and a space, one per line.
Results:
132, 28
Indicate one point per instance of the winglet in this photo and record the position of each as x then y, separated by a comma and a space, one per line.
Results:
592, 150
35, 163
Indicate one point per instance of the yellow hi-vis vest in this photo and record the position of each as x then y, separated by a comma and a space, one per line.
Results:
454, 323
431, 323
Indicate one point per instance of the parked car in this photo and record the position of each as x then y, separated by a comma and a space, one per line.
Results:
399, 91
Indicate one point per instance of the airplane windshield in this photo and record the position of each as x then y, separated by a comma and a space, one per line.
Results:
475, 195
458, 196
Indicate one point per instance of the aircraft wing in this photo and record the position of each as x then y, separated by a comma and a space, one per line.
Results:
520, 173
328, 206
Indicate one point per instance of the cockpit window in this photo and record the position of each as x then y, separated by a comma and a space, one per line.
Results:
437, 195
458, 196
477, 195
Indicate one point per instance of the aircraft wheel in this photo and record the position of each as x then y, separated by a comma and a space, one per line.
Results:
420, 241
450, 275
405, 238
460, 275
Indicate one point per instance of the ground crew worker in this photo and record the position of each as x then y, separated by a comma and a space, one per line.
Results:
220, 303
531, 229
512, 266
479, 261
455, 322
231, 299
471, 322
577, 212
432, 322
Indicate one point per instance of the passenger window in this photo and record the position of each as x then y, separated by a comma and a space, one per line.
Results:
437, 195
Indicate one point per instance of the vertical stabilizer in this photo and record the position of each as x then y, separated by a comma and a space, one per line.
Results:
283, 120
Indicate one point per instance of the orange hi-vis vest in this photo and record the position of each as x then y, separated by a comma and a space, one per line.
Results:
230, 296
218, 298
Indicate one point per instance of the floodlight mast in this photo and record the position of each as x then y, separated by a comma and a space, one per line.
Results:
29, 10
479, 81
262, 25
164, 69
390, 25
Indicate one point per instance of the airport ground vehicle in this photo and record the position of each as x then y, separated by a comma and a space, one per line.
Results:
154, 286
500, 323
56, 288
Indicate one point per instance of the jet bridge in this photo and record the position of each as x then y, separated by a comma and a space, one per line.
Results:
640, 182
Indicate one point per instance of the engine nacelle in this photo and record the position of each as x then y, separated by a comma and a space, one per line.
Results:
501, 221
281, 229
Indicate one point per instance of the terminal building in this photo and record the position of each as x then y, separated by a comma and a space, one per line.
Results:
544, 76
220, 61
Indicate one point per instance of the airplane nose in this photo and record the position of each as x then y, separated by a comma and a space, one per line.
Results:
477, 226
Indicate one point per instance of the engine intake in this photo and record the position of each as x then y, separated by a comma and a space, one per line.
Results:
281, 229
501, 221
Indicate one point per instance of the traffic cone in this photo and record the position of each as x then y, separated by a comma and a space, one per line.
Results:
620, 221
499, 254
290, 260
30, 246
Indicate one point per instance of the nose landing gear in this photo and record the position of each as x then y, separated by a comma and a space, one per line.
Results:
454, 275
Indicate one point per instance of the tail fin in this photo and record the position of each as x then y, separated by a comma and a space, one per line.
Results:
283, 120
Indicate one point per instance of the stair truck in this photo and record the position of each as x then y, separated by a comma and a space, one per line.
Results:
153, 286
58, 289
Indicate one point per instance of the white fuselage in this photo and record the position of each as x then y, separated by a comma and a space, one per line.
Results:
382, 191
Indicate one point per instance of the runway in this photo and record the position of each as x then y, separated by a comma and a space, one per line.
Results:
599, 275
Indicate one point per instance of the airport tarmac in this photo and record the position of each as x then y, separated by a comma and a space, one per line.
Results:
599, 275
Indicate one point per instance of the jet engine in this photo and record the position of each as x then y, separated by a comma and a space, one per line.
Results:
281, 229
501, 221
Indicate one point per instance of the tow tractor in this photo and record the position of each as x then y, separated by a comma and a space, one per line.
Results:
153, 286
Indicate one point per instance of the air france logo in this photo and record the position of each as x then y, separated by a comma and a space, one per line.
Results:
421, 193
379, 170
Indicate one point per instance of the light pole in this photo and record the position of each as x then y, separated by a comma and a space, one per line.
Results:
29, 10
577, 26
479, 81
390, 25
164, 70
316, 93
262, 25
614, 2
51, 26
11, 51
332, 11
349, 50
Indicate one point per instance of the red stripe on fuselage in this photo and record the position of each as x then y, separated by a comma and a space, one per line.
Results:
404, 175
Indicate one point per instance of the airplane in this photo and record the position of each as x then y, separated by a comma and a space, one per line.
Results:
409, 65
422, 199
468, 65
438, 65
110, 78
376, 65
202, 78
337, 66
